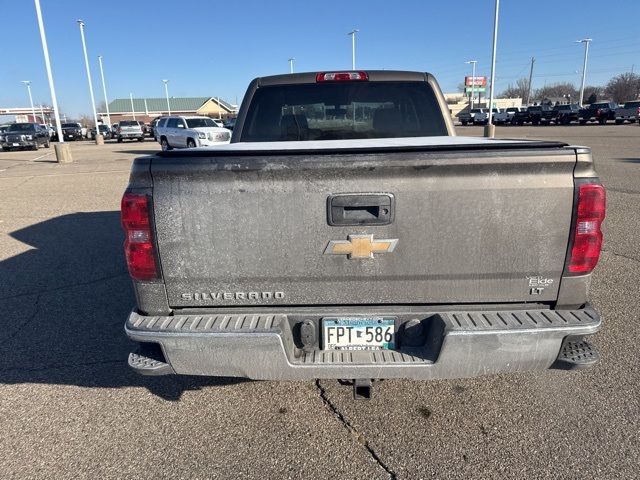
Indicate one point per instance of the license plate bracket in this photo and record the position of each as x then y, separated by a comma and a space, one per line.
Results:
358, 333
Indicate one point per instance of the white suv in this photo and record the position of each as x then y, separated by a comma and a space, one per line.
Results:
190, 132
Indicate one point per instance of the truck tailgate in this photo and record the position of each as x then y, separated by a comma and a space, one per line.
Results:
467, 226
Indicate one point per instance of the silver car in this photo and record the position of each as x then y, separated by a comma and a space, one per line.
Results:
129, 129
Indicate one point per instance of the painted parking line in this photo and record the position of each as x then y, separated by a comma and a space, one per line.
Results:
41, 156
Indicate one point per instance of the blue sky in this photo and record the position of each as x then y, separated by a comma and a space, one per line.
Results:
209, 48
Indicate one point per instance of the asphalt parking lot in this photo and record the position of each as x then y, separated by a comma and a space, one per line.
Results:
70, 407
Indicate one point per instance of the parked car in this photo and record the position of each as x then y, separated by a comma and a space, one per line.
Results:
510, 112
541, 114
482, 118
469, 256
599, 112
189, 132
72, 131
501, 117
129, 130
229, 123
467, 116
629, 112
565, 114
152, 127
24, 135
105, 131
521, 116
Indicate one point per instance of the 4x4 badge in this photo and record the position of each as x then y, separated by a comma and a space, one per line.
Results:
360, 246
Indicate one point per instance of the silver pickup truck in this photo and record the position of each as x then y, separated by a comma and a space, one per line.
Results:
347, 233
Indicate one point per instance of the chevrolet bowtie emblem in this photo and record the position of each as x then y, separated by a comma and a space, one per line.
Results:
360, 246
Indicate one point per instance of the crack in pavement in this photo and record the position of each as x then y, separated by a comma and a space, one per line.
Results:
59, 367
26, 323
620, 255
63, 287
333, 409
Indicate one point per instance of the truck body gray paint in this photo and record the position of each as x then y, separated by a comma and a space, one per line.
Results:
476, 222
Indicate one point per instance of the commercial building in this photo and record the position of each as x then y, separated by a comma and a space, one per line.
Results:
146, 109
458, 102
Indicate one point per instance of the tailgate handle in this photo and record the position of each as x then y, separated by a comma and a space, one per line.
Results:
360, 209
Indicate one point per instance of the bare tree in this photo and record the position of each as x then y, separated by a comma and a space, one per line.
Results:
86, 121
556, 91
592, 94
623, 87
519, 90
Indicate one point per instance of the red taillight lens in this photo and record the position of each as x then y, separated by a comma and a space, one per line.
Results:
138, 244
587, 237
341, 76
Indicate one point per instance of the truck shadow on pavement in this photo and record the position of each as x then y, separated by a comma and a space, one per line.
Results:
65, 299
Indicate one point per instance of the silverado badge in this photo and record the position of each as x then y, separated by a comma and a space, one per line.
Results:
360, 246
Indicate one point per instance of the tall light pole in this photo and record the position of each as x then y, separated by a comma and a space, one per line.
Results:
490, 129
86, 63
353, 47
291, 60
47, 63
473, 78
33, 110
166, 93
104, 91
533, 60
586, 42
133, 110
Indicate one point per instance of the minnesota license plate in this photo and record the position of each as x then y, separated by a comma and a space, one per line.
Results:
347, 333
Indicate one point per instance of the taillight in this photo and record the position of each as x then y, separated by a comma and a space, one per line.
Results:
587, 236
341, 76
599, 112
138, 245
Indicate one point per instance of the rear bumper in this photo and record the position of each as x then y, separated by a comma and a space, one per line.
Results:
454, 344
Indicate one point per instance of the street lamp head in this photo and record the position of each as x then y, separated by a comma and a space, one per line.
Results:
585, 40
80, 22
471, 61
26, 82
291, 59
355, 30
165, 81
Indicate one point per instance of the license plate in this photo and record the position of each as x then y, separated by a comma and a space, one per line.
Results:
16, 144
376, 333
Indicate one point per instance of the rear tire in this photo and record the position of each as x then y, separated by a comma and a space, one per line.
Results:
464, 124
583, 122
191, 143
602, 121
119, 139
141, 139
164, 143
619, 121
